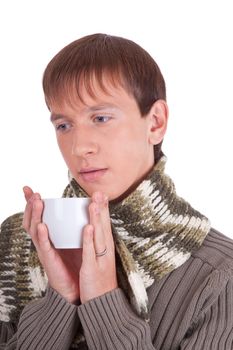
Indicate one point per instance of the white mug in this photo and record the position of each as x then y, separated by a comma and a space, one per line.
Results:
65, 219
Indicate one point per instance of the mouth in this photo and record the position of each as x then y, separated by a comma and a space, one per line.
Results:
92, 174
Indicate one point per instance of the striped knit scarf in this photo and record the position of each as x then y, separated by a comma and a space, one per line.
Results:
155, 231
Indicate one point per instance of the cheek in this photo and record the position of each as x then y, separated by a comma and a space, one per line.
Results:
63, 144
127, 150
125, 160
132, 147
66, 151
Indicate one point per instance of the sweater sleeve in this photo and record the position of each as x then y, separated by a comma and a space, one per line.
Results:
48, 323
110, 323
8, 337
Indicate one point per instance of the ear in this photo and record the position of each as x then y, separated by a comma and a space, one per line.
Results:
158, 118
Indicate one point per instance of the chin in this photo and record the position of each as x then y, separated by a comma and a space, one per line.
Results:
114, 195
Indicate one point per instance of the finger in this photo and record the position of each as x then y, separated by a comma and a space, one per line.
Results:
27, 192
106, 222
95, 220
37, 208
105, 219
88, 254
29, 196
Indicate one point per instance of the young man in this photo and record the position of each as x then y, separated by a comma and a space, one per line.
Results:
152, 273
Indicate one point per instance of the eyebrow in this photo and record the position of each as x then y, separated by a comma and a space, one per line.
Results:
54, 117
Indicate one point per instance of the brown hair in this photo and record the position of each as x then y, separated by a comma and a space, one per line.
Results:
124, 62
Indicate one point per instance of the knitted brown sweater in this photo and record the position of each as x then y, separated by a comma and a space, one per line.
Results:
191, 308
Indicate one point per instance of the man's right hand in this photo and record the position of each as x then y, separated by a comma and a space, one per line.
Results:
61, 266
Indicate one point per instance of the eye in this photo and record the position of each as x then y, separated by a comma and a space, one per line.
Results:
62, 127
101, 119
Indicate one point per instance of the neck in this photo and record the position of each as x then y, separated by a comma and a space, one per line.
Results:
132, 188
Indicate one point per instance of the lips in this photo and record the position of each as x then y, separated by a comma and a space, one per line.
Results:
92, 174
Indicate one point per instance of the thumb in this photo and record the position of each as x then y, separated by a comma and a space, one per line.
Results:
45, 245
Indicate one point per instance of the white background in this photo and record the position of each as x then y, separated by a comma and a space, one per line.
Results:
192, 43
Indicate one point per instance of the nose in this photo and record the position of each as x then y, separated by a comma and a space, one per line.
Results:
83, 143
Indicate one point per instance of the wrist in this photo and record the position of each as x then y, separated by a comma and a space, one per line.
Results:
72, 297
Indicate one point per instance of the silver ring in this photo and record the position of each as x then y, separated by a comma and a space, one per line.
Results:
102, 253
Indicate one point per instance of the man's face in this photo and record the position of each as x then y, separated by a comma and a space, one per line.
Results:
104, 141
